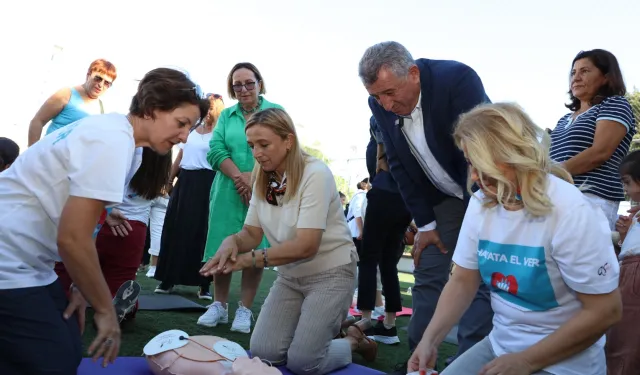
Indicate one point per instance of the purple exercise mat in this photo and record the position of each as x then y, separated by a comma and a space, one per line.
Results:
139, 366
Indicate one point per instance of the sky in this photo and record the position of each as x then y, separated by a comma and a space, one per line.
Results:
308, 52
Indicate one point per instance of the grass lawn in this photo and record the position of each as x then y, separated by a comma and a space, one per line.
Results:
149, 323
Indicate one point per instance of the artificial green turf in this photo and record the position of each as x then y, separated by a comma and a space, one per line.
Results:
149, 323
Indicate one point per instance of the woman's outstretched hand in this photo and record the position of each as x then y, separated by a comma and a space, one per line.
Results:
223, 259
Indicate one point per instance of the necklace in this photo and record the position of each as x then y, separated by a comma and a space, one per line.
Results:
252, 110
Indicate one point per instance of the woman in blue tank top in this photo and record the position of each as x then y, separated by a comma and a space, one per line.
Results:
71, 104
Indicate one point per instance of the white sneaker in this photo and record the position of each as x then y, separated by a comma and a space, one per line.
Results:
377, 312
242, 321
215, 314
151, 271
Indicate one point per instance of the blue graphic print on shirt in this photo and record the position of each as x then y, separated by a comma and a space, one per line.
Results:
517, 273
62, 134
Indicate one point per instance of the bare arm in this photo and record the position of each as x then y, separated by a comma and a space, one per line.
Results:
303, 246
229, 168
599, 312
455, 299
50, 109
78, 251
175, 167
360, 225
248, 238
607, 137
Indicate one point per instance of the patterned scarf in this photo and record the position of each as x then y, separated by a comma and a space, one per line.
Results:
276, 189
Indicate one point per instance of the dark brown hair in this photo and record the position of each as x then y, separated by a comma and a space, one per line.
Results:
9, 151
166, 89
608, 65
105, 67
251, 67
630, 166
152, 176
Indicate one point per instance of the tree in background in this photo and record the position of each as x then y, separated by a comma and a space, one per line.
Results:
634, 99
341, 182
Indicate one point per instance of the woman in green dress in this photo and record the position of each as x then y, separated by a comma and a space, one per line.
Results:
231, 157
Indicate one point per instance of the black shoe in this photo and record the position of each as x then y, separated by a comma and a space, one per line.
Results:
126, 298
400, 369
383, 335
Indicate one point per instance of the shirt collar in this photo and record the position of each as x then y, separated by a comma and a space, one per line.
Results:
419, 105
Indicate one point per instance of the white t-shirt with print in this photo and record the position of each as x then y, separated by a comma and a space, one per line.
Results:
534, 266
89, 158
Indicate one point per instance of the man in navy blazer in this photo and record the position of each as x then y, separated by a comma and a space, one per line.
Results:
416, 104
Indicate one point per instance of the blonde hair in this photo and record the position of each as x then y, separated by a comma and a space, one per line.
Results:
281, 124
216, 106
503, 133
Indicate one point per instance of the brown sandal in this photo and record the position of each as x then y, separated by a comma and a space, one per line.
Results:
344, 325
367, 348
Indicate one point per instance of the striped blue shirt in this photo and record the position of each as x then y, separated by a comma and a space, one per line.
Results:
571, 137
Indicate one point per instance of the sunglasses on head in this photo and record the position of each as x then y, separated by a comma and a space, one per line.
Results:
98, 79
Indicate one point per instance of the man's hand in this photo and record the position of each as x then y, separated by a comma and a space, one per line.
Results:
77, 304
424, 239
118, 222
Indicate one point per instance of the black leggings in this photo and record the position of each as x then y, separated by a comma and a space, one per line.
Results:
385, 223
34, 337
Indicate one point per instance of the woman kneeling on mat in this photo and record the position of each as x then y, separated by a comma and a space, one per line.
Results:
50, 201
297, 206
541, 246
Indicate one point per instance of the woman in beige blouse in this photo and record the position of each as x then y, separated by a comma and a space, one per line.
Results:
297, 206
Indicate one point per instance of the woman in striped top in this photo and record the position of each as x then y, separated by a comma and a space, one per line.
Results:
592, 140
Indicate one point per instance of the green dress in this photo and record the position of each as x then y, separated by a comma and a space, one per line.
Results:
226, 210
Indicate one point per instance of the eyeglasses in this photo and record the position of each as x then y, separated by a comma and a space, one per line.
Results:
248, 86
98, 79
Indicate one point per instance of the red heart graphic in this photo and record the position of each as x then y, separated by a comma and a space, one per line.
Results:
508, 284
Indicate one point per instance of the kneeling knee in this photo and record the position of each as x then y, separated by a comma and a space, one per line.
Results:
263, 349
303, 363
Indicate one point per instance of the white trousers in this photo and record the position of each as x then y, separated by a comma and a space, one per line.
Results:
156, 222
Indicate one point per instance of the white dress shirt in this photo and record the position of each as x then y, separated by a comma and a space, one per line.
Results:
413, 130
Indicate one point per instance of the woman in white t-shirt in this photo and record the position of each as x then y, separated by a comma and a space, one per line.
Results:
295, 203
120, 248
186, 223
540, 245
50, 201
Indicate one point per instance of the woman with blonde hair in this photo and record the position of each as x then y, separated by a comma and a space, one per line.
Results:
540, 245
297, 206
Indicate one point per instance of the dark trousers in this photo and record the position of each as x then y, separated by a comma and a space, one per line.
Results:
34, 337
385, 223
432, 274
119, 258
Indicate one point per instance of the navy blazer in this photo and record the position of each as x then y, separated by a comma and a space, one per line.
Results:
449, 89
